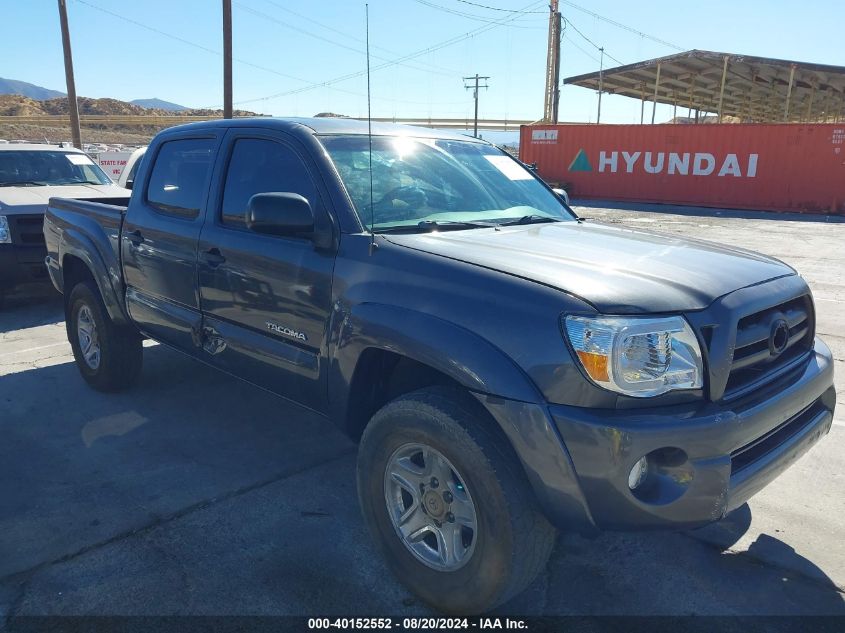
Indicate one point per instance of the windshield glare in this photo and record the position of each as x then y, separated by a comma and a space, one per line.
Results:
418, 180
49, 168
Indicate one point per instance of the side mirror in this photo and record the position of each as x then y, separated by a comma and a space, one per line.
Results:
279, 214
128, 184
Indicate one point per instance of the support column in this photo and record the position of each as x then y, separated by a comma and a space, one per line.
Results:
722, 88
809, 115
654, 99
642, 103
789, 93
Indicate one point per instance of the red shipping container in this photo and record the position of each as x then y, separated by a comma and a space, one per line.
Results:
786, 167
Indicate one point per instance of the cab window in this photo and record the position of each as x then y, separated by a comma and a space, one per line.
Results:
179, 177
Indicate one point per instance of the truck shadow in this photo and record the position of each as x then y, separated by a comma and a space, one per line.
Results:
681, 574
194, 479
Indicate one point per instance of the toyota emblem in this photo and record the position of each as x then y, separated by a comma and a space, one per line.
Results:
778, 337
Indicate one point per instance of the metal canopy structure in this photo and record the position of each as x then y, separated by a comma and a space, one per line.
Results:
751, 89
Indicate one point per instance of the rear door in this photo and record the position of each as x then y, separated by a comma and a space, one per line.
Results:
266, 300
159, 238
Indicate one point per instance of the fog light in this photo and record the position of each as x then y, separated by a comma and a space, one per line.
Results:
638, 473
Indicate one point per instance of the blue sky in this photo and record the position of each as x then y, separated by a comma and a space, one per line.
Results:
284, 47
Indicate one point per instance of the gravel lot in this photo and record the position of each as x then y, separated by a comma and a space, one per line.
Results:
197, 494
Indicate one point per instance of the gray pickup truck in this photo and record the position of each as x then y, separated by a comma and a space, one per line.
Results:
507, 368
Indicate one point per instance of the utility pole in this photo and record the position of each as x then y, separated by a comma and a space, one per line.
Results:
474, 87
73, 106
552, 96
227, 59
601, 83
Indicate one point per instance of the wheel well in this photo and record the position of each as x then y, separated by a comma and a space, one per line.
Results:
74, 270
380, 376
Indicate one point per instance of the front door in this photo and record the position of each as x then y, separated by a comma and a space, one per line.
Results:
266, 300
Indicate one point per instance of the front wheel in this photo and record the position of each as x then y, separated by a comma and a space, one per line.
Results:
448, 503
108, 356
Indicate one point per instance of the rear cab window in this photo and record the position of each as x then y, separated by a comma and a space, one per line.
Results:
179, 178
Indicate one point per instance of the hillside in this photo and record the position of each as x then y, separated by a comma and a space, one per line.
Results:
159, 104
15, 87
17, 105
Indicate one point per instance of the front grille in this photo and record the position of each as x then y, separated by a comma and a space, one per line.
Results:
753, 361
27, 230
751, 452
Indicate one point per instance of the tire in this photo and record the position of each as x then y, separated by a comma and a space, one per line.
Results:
512, 540
118, 363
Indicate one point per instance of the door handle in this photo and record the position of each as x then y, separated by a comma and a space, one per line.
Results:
213, 257
135, 237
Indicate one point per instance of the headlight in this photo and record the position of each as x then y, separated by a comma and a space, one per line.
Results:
5, 234
638, 357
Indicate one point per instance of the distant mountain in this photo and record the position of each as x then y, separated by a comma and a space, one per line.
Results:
14, 87
158, 104
17, 105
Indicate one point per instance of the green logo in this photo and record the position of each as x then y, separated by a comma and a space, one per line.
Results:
580, 162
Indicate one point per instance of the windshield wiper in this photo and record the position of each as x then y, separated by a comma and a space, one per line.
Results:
436, 225
530, 219
23, 183
65, 183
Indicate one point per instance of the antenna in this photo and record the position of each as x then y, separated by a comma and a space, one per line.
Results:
370, 134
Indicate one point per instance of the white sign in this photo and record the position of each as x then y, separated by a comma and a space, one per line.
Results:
510, 168
113, 163
79, 159
544, 137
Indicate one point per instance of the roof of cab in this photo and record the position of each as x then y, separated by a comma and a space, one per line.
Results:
38, 147
327, 126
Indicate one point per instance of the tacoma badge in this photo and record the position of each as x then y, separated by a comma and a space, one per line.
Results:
286, 331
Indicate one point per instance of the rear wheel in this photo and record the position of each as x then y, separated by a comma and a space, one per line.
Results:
108, 356
448, 504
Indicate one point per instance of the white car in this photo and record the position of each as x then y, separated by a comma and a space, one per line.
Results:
127, 176
30, 174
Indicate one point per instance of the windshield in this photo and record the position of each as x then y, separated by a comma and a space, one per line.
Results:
419, 182
23, 168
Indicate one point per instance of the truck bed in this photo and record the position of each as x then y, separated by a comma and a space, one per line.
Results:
88, 228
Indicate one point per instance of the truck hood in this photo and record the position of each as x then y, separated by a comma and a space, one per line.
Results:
26, 200
618, 270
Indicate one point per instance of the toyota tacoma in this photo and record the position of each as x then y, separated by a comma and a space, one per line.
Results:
507, 368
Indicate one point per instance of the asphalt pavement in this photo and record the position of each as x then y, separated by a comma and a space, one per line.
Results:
195, 493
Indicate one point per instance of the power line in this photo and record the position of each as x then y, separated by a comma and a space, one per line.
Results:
430, 49
618, 25
347, 35
471, 16
183, 40
241, 61
596, 46
580, 48
325, 39
484, 6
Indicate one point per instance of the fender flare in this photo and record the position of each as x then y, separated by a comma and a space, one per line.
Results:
77, 244
453, 350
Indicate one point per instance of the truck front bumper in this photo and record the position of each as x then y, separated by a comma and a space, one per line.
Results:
701, 463
21, 265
